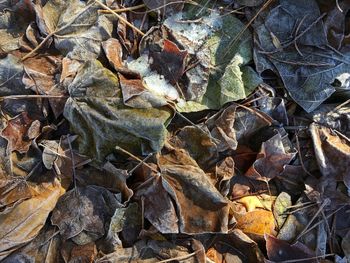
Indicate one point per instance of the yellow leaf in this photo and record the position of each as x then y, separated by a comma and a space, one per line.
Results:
257, 222
257, 201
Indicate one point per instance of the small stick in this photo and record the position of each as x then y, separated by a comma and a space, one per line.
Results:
18, 97
247, 25
125, 9
180, 257
136, 158
73, 163
120, 17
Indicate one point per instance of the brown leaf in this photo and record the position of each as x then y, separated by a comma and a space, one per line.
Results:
170, 62
200, 205
162, 215
22, 224
44, 248
279, 250
85, 253
271, 160
19, 132
82, 213
332, 151
42, 77
151, 251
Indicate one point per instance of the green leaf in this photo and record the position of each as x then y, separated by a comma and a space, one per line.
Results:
227, 82
96, 113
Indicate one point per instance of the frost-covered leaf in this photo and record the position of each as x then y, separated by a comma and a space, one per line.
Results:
22, 224
227, 56
307, 66
220, 74
332, 150
82, 213
15, 16
98, 115
76, 26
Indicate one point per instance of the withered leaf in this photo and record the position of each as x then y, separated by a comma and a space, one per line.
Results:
97, 114
161, 215
81, 214
271, 160
279, 250
258, 222
73, 23
170, 62
200, 205
305, 63
22, 224
20, 131
332, 151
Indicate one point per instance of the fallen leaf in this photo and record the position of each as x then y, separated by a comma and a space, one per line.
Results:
170, 62
271, 160
72, 23
22, 224
20, 131
332, 151
258, 222
97, 114
81, 214
307, 66
278, 250
163, 215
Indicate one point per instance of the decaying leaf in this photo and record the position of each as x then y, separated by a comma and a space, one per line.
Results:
97, 114
306, 65
271, 160
257, 222
20, 131
81, 214
332, 150
22, 224
278, 250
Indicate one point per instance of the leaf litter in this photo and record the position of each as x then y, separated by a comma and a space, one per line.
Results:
174, 131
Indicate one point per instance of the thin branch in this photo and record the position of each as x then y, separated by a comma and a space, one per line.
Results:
120, 17
247, 25
125, 9
180, 257
136, 158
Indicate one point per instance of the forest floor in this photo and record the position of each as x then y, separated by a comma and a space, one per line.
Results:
174, 131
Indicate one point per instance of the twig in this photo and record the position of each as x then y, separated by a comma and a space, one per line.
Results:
338, 6
125, 9
305, 259
73, 163
38, 46
180, 257
247, 25
306, 228
20, 97
140, 163
300, 155
136, 158
120, 17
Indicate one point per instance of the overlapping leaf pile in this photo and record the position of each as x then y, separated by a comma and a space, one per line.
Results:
174, 131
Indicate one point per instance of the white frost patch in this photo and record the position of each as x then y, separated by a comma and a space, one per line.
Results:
344, 79
196, 31
158, 85
153, 82
140, 65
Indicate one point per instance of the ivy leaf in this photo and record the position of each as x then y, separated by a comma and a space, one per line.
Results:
98, 115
